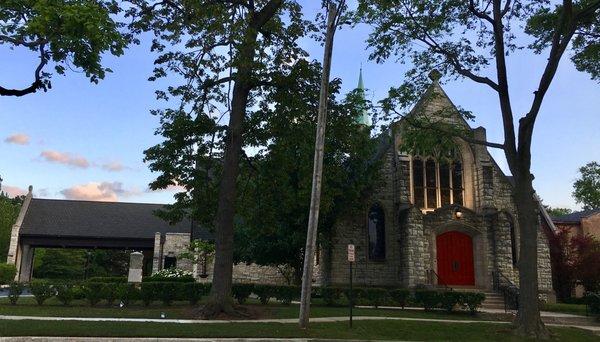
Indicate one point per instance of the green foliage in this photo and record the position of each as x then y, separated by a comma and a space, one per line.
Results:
287, 293
331, 295
75, 264
587, 186
71, 34
473, 300
7, 273
450, 299
593, 302
111, 292
429, 299
41, 290
170, 275
93, 292
557, 212
193, 292
9, 210
169, 291
15, 289
275, 195
107, 280
148, 292
400, 297
65, 292
376, 296
241, 292
264, 292
126, 293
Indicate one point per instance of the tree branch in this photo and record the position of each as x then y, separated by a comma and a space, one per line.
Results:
37, 84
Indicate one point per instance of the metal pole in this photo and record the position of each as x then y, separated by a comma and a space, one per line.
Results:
351, 295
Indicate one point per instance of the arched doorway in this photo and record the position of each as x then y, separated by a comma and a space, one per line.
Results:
455, 258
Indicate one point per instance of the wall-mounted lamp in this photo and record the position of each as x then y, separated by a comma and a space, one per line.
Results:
458, 214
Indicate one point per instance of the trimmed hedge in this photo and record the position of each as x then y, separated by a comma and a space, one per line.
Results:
93, 292
241, 292
429, 299
107, 280
400, 297
65, 293
14, 292
7, 273
161, 279
41, 290
264, 292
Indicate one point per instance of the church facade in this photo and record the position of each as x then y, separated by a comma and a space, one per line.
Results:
431, 222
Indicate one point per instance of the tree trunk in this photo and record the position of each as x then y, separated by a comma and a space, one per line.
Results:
528, 321
315, 200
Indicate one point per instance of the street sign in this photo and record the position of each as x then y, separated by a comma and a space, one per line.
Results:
351, 253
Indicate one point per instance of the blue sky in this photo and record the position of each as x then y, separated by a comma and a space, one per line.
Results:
81, 140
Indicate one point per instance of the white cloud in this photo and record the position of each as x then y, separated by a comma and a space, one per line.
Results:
94, 191
65, 158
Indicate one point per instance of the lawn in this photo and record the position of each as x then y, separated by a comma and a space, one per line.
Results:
181, 310
385, 330
576, 309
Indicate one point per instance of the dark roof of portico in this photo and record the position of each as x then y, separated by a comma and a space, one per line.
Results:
88, 219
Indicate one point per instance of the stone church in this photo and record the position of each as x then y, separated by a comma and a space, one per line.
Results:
435, 222
428, 222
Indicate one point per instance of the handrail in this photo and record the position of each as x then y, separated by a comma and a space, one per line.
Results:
510, 291
440, 280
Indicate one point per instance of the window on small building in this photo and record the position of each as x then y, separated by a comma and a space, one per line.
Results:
170, 262
436, 183
376, 231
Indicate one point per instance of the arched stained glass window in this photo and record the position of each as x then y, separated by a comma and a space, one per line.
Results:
376, 231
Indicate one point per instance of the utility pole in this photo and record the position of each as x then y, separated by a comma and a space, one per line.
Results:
315, 199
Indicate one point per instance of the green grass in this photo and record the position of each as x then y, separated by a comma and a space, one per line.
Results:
388, 330
27, 306
576, 309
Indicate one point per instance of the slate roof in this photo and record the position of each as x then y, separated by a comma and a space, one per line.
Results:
575, 217
68, 218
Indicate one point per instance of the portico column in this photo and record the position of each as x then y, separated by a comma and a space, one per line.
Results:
157, 255
26, 264
136, 262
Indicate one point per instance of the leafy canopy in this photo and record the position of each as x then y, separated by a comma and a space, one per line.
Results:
277, 181
71, 34
587, 186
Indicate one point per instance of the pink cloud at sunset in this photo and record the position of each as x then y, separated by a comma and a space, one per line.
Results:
18, 139
95, 191
65, 158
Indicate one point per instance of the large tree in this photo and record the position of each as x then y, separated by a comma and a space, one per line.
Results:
225, 52
587, 186
276, 183
64, 33
473, 40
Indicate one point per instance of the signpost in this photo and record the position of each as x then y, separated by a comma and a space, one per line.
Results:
351, 260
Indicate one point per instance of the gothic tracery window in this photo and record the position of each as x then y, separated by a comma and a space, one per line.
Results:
376, 232
436, 183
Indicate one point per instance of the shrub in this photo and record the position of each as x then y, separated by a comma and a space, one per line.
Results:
107, 280
427, 298
473, 300
14, 292
148, 292
374, 296
170, 275
168, 291
193, 292
41, 290
359, 295
127, 293
400, 296
593, 302
111, 292
65, 293
241, 292
93, 292
287, 293
264, 292
450, 299
331, 295
7, 273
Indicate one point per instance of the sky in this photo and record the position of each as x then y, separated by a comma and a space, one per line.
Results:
85, 141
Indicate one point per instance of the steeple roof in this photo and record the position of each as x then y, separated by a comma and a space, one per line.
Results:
363, 118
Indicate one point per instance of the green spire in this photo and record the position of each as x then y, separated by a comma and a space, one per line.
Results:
363, 118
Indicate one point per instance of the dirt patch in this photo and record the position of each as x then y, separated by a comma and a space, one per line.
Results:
241, 312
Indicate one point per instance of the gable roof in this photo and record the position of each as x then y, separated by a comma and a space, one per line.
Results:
576, 216
87, 219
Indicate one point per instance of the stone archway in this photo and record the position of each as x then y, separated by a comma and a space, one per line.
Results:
471, 267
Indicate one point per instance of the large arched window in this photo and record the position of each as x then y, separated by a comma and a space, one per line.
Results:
436, 183
376, 230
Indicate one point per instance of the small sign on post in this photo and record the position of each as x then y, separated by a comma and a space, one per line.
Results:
351, 260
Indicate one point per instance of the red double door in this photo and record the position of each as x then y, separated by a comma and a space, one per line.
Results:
455, 258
